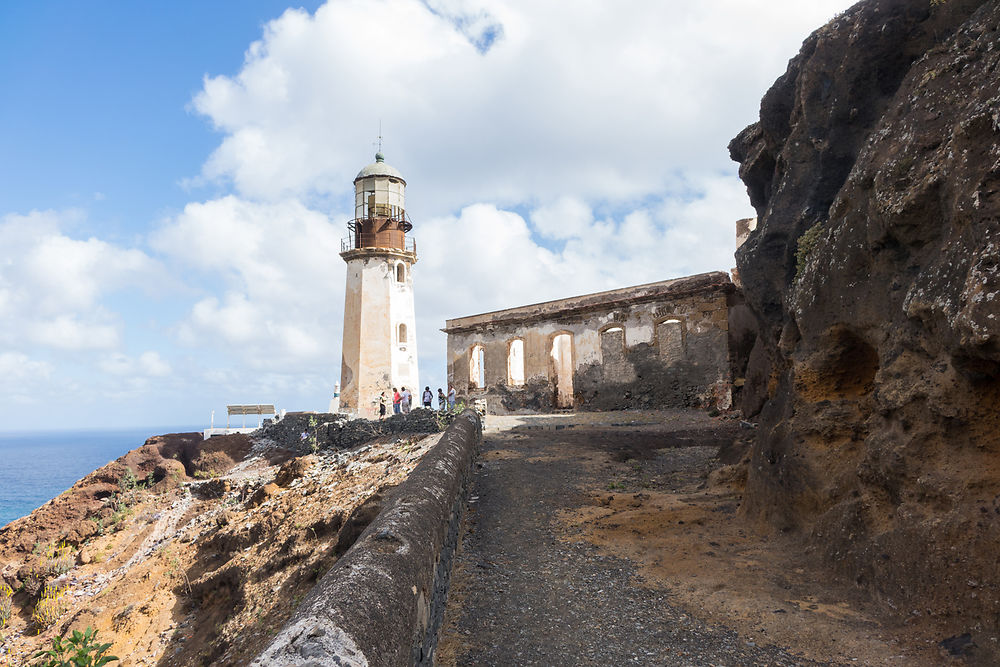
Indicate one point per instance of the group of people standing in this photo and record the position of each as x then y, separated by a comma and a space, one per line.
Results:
401, 400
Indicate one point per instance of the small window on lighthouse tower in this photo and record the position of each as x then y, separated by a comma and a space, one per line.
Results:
402, 334
400, 273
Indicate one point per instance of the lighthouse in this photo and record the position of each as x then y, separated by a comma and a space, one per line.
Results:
380, 342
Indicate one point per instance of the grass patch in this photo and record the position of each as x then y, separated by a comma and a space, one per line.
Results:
806, 245
6, 606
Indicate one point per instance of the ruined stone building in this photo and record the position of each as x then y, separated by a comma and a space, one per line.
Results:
380, 342
664, 344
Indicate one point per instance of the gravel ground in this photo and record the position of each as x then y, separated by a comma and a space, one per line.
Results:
522, 596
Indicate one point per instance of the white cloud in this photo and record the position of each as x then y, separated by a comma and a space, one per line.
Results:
480, 259
564, 218
16, 368
604, 101
282, 295
68, 332
22, 378
668, 238
117, 364
52, 285
487, 258
148, 364
153, 365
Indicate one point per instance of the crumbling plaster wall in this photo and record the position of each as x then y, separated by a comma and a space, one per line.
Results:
641, 376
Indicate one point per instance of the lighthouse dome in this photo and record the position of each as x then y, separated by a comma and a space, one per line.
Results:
379, 168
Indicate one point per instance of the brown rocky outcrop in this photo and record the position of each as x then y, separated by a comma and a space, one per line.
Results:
201, 573
875, 377
162, 463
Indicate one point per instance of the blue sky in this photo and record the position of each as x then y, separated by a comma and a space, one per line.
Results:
98, 94
176, 177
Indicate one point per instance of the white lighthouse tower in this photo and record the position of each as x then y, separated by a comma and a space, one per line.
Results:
380, 342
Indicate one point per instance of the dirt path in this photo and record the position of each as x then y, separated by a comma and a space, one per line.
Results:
594, 543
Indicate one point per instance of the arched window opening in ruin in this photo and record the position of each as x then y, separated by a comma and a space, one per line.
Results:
400, 273
670, 340
402, 334
562, 368
613, 346
477, 367
515, 363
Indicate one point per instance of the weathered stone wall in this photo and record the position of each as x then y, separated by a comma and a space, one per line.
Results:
338, 431
625, 354
381, 604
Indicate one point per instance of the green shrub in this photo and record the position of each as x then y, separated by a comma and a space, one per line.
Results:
129, 493
446, 417
79, 650
128, 481
313, 439
99, 522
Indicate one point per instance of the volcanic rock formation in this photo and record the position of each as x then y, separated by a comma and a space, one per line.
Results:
875, 378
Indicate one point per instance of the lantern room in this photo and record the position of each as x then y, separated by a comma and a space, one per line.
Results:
379, 208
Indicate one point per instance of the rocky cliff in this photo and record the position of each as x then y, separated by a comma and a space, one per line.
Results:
192, 552
875, 378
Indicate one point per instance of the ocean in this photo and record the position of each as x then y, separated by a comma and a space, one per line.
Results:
37, 466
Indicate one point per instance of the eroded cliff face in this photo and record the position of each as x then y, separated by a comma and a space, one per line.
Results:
192, 552
876, 375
